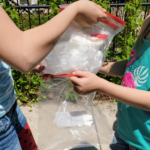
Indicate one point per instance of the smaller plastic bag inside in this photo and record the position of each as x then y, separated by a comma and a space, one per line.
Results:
67, 121
83, 48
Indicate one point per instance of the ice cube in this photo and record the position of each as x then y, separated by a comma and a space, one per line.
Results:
65, 68
83, 48
74, 51
74, 60
80, 39
91, 53
96, 64
82, 65
99, 55
64, 58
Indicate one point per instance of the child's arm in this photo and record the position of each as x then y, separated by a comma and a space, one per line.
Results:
89, 82
24, 50
114, 68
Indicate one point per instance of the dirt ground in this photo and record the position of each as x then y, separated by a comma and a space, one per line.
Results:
107, 107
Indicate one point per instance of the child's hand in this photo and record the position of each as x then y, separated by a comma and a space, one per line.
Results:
85, 82
104, 68
105, 64
89, 13
38, 69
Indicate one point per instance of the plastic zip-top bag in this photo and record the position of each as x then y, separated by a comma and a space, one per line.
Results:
67, 120
83, 48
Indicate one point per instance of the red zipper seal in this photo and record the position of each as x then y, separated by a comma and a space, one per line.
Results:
109, 23
100, 36
59, 75
116, 19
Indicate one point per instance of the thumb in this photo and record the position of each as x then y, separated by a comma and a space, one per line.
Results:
79, 73
101, 14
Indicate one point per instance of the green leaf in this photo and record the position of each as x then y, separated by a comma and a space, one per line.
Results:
24, 99
32, 92
37, 99
30, 105
19, 103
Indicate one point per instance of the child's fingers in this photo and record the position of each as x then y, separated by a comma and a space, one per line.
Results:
74, 84
36, 69
76, 90
45, 76
105, 64
102, 9
102, 15
39, 68
75, 80
101, 12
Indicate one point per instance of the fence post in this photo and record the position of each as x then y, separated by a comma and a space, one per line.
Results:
29, 14
48, 8
39, 15
145, 11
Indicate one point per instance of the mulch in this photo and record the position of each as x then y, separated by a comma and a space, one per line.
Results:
101, 96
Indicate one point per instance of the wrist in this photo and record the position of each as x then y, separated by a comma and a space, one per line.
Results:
102, 85
79, 7
75, 7
105, 69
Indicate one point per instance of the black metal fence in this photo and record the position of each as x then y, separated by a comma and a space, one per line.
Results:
35, 14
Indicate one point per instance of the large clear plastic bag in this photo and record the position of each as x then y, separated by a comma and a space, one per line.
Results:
67, 120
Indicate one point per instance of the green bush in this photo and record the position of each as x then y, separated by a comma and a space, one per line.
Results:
27, 85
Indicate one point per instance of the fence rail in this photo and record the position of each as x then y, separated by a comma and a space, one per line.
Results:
48, 6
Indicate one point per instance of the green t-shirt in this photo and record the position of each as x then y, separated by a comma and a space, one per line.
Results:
133, 124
